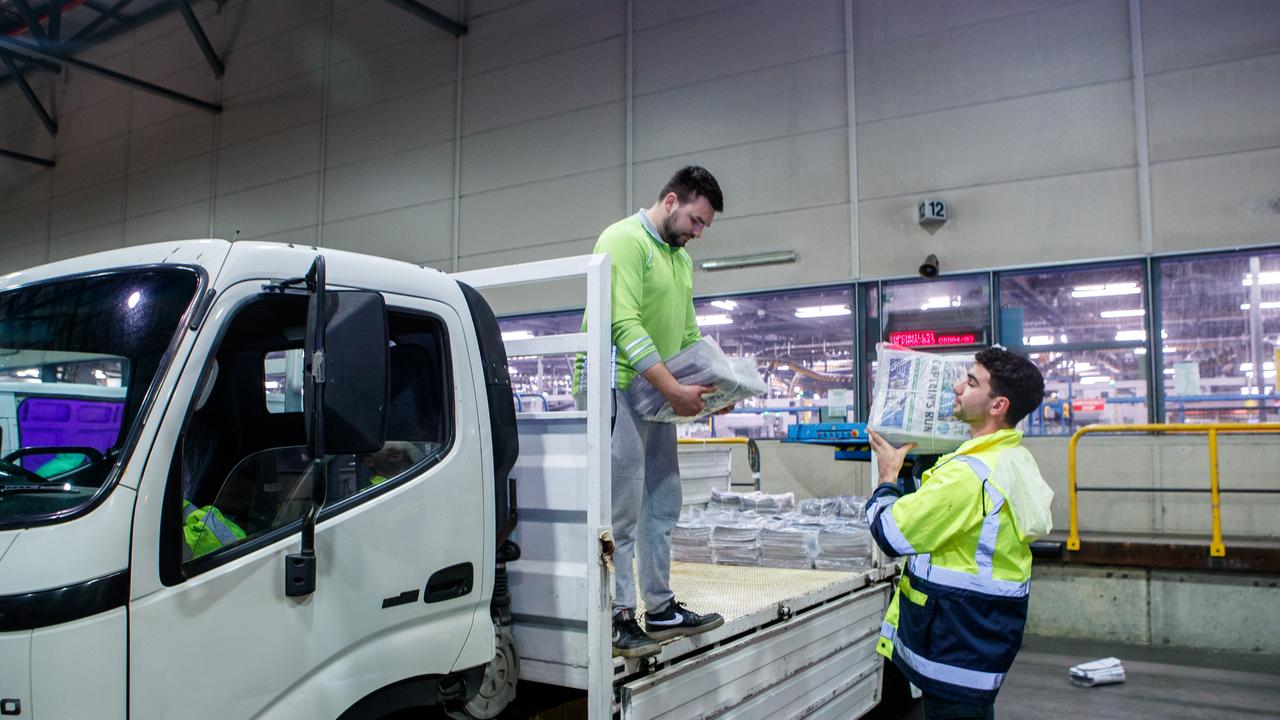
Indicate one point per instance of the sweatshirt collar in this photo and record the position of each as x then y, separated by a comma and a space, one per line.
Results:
653, 231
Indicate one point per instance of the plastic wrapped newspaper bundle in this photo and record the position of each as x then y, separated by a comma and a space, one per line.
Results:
702, 363
755, 501
691, 538
913, 399
790, 541
735, 538
843, 545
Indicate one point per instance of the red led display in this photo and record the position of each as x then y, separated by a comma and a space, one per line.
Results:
929, 338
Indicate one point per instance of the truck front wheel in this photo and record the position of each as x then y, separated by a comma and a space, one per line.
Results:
498, 688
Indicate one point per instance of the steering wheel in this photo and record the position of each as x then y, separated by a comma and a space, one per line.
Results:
16, 470
7, 464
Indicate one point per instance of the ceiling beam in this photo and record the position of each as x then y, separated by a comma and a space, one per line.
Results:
23, 157
193, 24
49, 123
423, 12
21, 46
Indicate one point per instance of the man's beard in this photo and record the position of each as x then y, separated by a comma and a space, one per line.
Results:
669, 235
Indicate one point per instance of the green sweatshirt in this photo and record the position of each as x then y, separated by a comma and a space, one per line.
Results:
652, 297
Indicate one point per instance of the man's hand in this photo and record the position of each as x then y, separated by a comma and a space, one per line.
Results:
686, 400
888, 458
725, 410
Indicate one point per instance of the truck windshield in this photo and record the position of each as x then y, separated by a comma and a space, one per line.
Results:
78, 358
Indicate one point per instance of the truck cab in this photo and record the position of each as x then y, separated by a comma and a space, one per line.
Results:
176, 445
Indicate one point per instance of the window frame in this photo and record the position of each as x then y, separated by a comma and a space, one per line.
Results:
175, 571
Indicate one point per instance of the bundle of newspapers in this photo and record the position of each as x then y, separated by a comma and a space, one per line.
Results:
726, 533
702, 363
1099, 672
914, 401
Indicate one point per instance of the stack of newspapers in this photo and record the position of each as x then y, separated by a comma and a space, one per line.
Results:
702, 363
914, 401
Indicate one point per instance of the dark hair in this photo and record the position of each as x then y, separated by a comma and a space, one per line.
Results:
1014, 377
691, 181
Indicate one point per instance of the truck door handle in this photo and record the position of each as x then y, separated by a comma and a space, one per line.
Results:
449, 583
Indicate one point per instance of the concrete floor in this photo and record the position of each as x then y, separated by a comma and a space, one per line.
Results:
1161, 683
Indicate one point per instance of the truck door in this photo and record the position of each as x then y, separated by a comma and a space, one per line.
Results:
399, 543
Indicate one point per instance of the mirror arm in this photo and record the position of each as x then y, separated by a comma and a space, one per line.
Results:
300, 568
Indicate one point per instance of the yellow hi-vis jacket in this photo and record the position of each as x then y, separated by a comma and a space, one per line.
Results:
956, 621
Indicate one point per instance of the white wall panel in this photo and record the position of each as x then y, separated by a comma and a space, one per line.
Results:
577, 78
1059, 219
91, 165
412, 121
81, 89
897, 19
269, 61
1063, 132
25, 225
412, 177
529, 30
392, 72
184, 222
663, 12
178, 138
197, 81
820, 237
552, 147
91, 207
19, 257
271, 109
84, 242
16, 114
569, 208
770, 176
162, 56
1032, 52
286, 205
737, 39
269, 159
1186, 33
93, 124
172, 22
168, 186
376, 24
760, 105
248, 22
1216, 109
1216, 202
411, 233
22, 184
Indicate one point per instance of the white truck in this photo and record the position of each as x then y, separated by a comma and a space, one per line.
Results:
305, 506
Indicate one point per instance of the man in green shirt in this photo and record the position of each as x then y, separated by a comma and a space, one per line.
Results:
653, 319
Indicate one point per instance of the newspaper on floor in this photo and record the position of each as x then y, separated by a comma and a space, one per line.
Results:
1099, 672
702, 363
913, 399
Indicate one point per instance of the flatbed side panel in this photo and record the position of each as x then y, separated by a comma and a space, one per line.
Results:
793, 669
549, 581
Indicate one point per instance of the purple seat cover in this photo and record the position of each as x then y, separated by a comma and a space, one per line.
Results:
67, 422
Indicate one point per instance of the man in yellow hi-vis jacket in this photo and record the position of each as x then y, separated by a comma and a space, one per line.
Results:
956, 620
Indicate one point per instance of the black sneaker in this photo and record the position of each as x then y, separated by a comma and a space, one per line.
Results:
629, 641
676, 620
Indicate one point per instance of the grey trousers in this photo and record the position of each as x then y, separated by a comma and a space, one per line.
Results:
646, 505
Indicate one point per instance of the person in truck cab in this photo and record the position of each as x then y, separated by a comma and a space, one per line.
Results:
653, 319
956, 621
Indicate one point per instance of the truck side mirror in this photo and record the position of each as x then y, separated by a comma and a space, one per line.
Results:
345, 397
355, 372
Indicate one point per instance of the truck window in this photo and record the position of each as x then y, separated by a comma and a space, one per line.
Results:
78, 359
243, 465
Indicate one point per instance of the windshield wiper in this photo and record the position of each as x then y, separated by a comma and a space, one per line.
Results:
25, 489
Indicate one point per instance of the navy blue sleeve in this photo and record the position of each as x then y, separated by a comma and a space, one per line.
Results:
882, 499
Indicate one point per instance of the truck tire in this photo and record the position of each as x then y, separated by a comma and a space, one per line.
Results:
498, 688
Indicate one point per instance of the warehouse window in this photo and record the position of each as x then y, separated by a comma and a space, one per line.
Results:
1220, 315
802, 341
1086, 328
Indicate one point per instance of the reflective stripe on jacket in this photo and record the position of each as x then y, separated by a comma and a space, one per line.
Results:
967, 579
205, 529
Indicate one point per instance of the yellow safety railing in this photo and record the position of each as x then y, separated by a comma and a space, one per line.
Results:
753, 451
1216, 548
